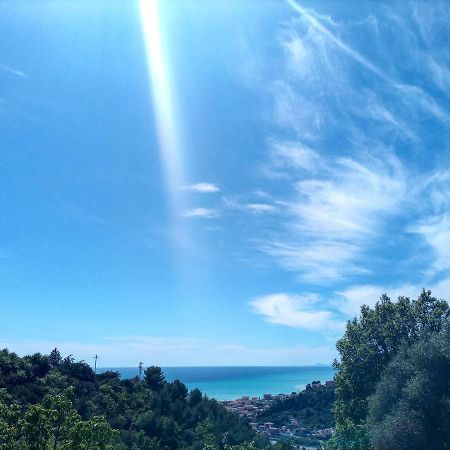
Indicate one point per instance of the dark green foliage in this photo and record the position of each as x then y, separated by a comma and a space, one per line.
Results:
52, 424
154, 378
370, 343
313, 407
372, 340
411, 406
349, 436
149, 414
55, 358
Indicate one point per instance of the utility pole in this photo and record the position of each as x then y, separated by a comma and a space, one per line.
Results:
95, 364
141, 365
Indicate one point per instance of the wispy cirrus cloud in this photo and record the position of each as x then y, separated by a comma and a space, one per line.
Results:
346, 168
334, 217
349, 198
207, 213
408, 92
291, 156
13, 71
436, 233
361, 169
246, 206
359, 58
202, 188
260, 208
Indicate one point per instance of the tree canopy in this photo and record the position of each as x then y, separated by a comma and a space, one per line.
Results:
370, 343
410, 408
50, 402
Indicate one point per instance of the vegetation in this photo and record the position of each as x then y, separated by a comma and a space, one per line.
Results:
392, 392
313, 407
54, 424
47, 402
385, 347
411, 405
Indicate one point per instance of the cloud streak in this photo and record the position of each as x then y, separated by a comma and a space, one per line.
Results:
251, 207
13, 71
202, 188
207, 213
339, 43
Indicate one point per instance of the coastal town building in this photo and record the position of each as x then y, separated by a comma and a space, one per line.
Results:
251, 408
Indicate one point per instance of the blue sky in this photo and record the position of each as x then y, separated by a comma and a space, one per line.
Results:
216, 183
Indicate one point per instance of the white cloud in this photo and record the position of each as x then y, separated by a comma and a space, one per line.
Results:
436, 188
202, 188
439, 73
436, 232
350, 300
318, 261
410, 94
317, 25
342, 121
433, 195
378, 111
336, 216
308, 311
295, 311
260, 207
296, 51
354, 135
293, 155
208, 213
256, 208
348, 203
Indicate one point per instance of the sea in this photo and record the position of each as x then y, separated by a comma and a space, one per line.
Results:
229, 383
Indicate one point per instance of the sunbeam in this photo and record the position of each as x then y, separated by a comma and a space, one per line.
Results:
163, 103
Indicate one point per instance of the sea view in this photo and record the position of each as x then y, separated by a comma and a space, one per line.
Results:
206, 203
231, 382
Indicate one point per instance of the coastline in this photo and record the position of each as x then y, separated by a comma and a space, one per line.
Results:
234, 382
263, 414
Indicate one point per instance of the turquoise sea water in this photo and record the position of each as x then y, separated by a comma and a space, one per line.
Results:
227, 383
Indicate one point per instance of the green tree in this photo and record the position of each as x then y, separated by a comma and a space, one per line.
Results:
10, 423
349, 436
93, 434
195, 397
38, 412
55, 424
371, 341
410, 408
37, 425
369, 344
154, 378
204, 436
55, 358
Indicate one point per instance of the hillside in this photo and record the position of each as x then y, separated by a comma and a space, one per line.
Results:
51, 402
311, 408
